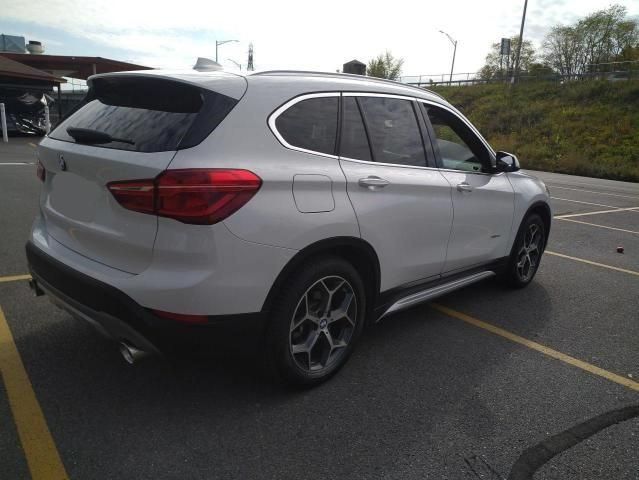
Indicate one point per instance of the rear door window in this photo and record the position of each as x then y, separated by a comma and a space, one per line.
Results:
393, 130
353, 140
310, 124
147, 115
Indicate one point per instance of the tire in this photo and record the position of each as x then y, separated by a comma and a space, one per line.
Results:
308, 341
523, 262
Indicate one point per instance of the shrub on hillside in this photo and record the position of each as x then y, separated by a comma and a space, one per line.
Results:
586, 128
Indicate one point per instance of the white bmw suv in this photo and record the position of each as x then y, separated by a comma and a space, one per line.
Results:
283, 209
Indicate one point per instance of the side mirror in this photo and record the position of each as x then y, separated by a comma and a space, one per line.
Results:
506, 162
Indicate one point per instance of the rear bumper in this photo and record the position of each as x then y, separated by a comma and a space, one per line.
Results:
117, 316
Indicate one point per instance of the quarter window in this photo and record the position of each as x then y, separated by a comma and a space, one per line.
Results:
459, 148
310, 124
354, 143
393, 131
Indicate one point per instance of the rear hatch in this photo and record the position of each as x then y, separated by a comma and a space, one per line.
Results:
128, 128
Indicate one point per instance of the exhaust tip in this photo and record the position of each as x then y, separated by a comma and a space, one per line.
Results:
35, 288
131, 354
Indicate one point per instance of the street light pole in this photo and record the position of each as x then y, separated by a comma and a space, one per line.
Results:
452, 67
221, 42
521, 40
238, 65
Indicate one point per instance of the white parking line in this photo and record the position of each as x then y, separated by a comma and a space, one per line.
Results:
597, 225
17, 163
590, 262
598, 212
585, 203
592, 191
571, 182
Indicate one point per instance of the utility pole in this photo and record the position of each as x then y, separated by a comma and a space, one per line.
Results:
521, 41
3, 122
452, 67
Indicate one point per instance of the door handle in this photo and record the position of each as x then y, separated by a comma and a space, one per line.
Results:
373, 183
464, 187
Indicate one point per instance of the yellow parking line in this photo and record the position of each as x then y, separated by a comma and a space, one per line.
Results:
562, 357
597, 225
590, 262
42, 456
14, 278
598, 212
32, 145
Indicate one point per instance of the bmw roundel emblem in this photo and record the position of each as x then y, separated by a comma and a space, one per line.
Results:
62, 163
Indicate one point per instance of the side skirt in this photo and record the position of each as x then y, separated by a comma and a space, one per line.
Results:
413, 294
434, 292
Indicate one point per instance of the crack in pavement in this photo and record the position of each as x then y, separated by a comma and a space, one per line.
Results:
536, 456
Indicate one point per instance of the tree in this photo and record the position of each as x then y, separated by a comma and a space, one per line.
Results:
602, 37
562, 50
385, 66
629, 54
496, 67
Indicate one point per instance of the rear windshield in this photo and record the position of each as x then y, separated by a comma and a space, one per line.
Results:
147, 114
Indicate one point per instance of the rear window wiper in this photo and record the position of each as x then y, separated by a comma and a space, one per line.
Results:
86, 135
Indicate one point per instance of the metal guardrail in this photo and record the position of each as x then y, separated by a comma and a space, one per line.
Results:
612, 71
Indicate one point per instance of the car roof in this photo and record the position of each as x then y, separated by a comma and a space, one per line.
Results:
346, 81
308, 80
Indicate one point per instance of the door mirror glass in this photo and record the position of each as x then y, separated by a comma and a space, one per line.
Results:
506, 162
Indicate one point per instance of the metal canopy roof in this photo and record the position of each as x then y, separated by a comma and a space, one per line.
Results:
13, 69
69, 66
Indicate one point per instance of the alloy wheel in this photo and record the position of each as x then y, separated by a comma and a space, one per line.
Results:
529, 253
323, 324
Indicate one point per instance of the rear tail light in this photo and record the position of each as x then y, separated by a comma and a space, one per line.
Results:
195, 196
41, 172
136, 195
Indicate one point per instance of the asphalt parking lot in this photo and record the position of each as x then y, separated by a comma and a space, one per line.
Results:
459, 389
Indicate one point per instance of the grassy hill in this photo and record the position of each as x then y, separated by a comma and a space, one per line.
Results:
586, 128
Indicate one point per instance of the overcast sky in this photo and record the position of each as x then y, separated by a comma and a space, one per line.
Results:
319, 35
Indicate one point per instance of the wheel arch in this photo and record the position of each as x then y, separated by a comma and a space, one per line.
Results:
356, 251
542, 209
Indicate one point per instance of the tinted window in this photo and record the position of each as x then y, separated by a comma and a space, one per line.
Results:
153, 115
393, 131
310, 124
459, 148
354, 143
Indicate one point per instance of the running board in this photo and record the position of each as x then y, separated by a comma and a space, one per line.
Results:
429, 294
